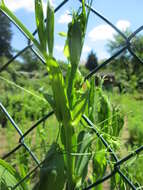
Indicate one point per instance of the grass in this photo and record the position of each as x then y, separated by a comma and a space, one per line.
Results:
132, 106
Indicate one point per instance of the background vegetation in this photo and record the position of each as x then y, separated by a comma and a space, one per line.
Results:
28, 106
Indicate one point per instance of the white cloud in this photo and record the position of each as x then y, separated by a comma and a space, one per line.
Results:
86, 49
101, 32
59, 48
105, 32
123, 24
65, 18
27, 5
15, 5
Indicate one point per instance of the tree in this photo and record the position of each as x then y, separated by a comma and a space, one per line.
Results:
92, 61
5, 36
126, 67
30, 62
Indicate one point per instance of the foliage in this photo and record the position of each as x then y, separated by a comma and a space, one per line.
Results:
30, 62
131, 105
92, 61
9, 177
130, 75
70, 156
5, 36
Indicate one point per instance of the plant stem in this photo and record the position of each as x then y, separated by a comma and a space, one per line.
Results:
71, 85
69, 159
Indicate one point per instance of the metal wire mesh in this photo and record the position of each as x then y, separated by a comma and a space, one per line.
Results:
118, 162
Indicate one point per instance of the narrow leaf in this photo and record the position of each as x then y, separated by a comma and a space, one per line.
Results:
59, 91
74, 43
52, 175
84, 141
79, 107
10, 177
40, 23
50, 28
50, 99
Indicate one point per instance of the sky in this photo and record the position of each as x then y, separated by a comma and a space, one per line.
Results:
125, 14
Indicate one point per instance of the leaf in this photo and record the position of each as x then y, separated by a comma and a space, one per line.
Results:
62, 111
79, 107
40, 23
52, 173
74, 43
84, 140
79, 97
3, 185
91, 102
66, 50
117, 121
62, 34
99, 163
50, 99
59, 91
10, 177
50, 28
104, 112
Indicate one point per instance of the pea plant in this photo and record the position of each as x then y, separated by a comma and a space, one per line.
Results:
77, 158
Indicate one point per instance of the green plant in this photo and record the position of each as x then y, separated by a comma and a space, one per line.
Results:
9, 177
68, 159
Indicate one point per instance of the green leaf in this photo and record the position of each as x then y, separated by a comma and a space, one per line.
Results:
52, 173
40, 23
50, 28
50, 99
91, 102
79, 107
62, 34
104, 111
84, 140
9, 177
117, 121
79, 97
3, 185
74, 43
99, 163
62, 111
59, 91
66, 50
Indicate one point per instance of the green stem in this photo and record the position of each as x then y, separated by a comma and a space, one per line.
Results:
69, 158
71, 85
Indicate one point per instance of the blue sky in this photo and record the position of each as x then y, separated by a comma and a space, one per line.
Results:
124, 14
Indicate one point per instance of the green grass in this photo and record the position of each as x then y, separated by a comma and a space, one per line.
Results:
132, 106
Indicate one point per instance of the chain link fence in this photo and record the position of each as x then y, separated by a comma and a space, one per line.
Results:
117, 162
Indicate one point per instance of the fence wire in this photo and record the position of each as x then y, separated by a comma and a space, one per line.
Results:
117, 162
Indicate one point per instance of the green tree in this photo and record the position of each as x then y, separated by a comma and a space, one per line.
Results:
30, 62
92, 61
126, 67
5, 36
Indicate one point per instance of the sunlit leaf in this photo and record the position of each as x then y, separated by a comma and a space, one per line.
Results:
40, 23
50, 28
9, 177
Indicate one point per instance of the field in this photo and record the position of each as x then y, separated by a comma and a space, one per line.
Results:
26, 113
132, 107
